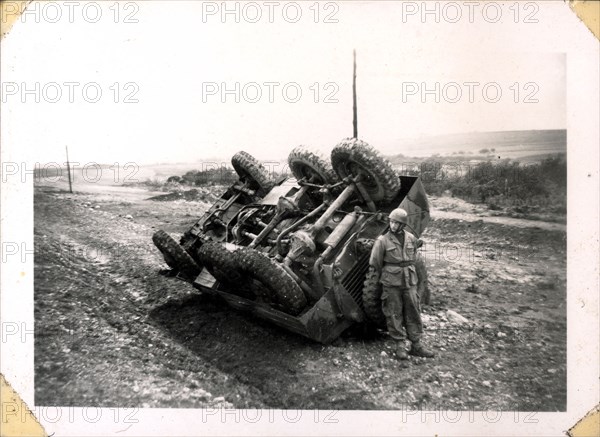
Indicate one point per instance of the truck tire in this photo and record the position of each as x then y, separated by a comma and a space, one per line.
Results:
353, 157
312, 166
371, 296
175, 256
271, 283
252, 171
220, 262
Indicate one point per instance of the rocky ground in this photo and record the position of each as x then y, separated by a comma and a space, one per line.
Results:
114, 330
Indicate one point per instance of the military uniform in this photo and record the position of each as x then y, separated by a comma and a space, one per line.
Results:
393, 255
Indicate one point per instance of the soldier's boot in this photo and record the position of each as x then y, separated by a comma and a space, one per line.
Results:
401, 353
418, 350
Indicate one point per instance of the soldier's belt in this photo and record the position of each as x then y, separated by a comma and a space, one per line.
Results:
401, 263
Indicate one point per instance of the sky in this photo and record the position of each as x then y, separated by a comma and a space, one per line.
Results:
164, 70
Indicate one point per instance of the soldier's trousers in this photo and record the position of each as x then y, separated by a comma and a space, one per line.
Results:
401, 307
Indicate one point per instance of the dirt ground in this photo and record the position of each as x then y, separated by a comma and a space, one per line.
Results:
114, 330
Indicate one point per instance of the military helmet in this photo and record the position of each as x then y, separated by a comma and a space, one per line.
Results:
399, 215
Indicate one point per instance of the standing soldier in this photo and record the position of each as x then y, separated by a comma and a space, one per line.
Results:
393, 257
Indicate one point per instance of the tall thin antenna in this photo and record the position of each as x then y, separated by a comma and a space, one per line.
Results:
69, 170
354, 110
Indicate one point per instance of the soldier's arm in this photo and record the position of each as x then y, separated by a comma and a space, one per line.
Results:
417, 243
377, 253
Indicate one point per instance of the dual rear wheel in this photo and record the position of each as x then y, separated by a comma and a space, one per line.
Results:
350, 158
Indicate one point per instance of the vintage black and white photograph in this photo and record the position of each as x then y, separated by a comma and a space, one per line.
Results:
278, 213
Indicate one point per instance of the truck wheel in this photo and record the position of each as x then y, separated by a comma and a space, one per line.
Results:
270, 282
423, 284
252, 171
175, 256
310, 165
353, 157
371, 295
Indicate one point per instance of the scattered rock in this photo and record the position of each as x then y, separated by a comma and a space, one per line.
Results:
384, 354
472, 288
129, 217
500, 334
552, 371
454, 317
486, 384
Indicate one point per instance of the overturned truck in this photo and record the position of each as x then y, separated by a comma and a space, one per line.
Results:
295, 250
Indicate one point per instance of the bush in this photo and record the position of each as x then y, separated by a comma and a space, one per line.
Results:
212, 176
502, 183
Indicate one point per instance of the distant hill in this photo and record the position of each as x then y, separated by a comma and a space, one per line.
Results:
529, 145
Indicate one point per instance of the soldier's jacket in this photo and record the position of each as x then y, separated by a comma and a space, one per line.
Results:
388, 252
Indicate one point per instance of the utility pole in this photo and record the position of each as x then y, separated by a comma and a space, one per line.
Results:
69, 170
354, 110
